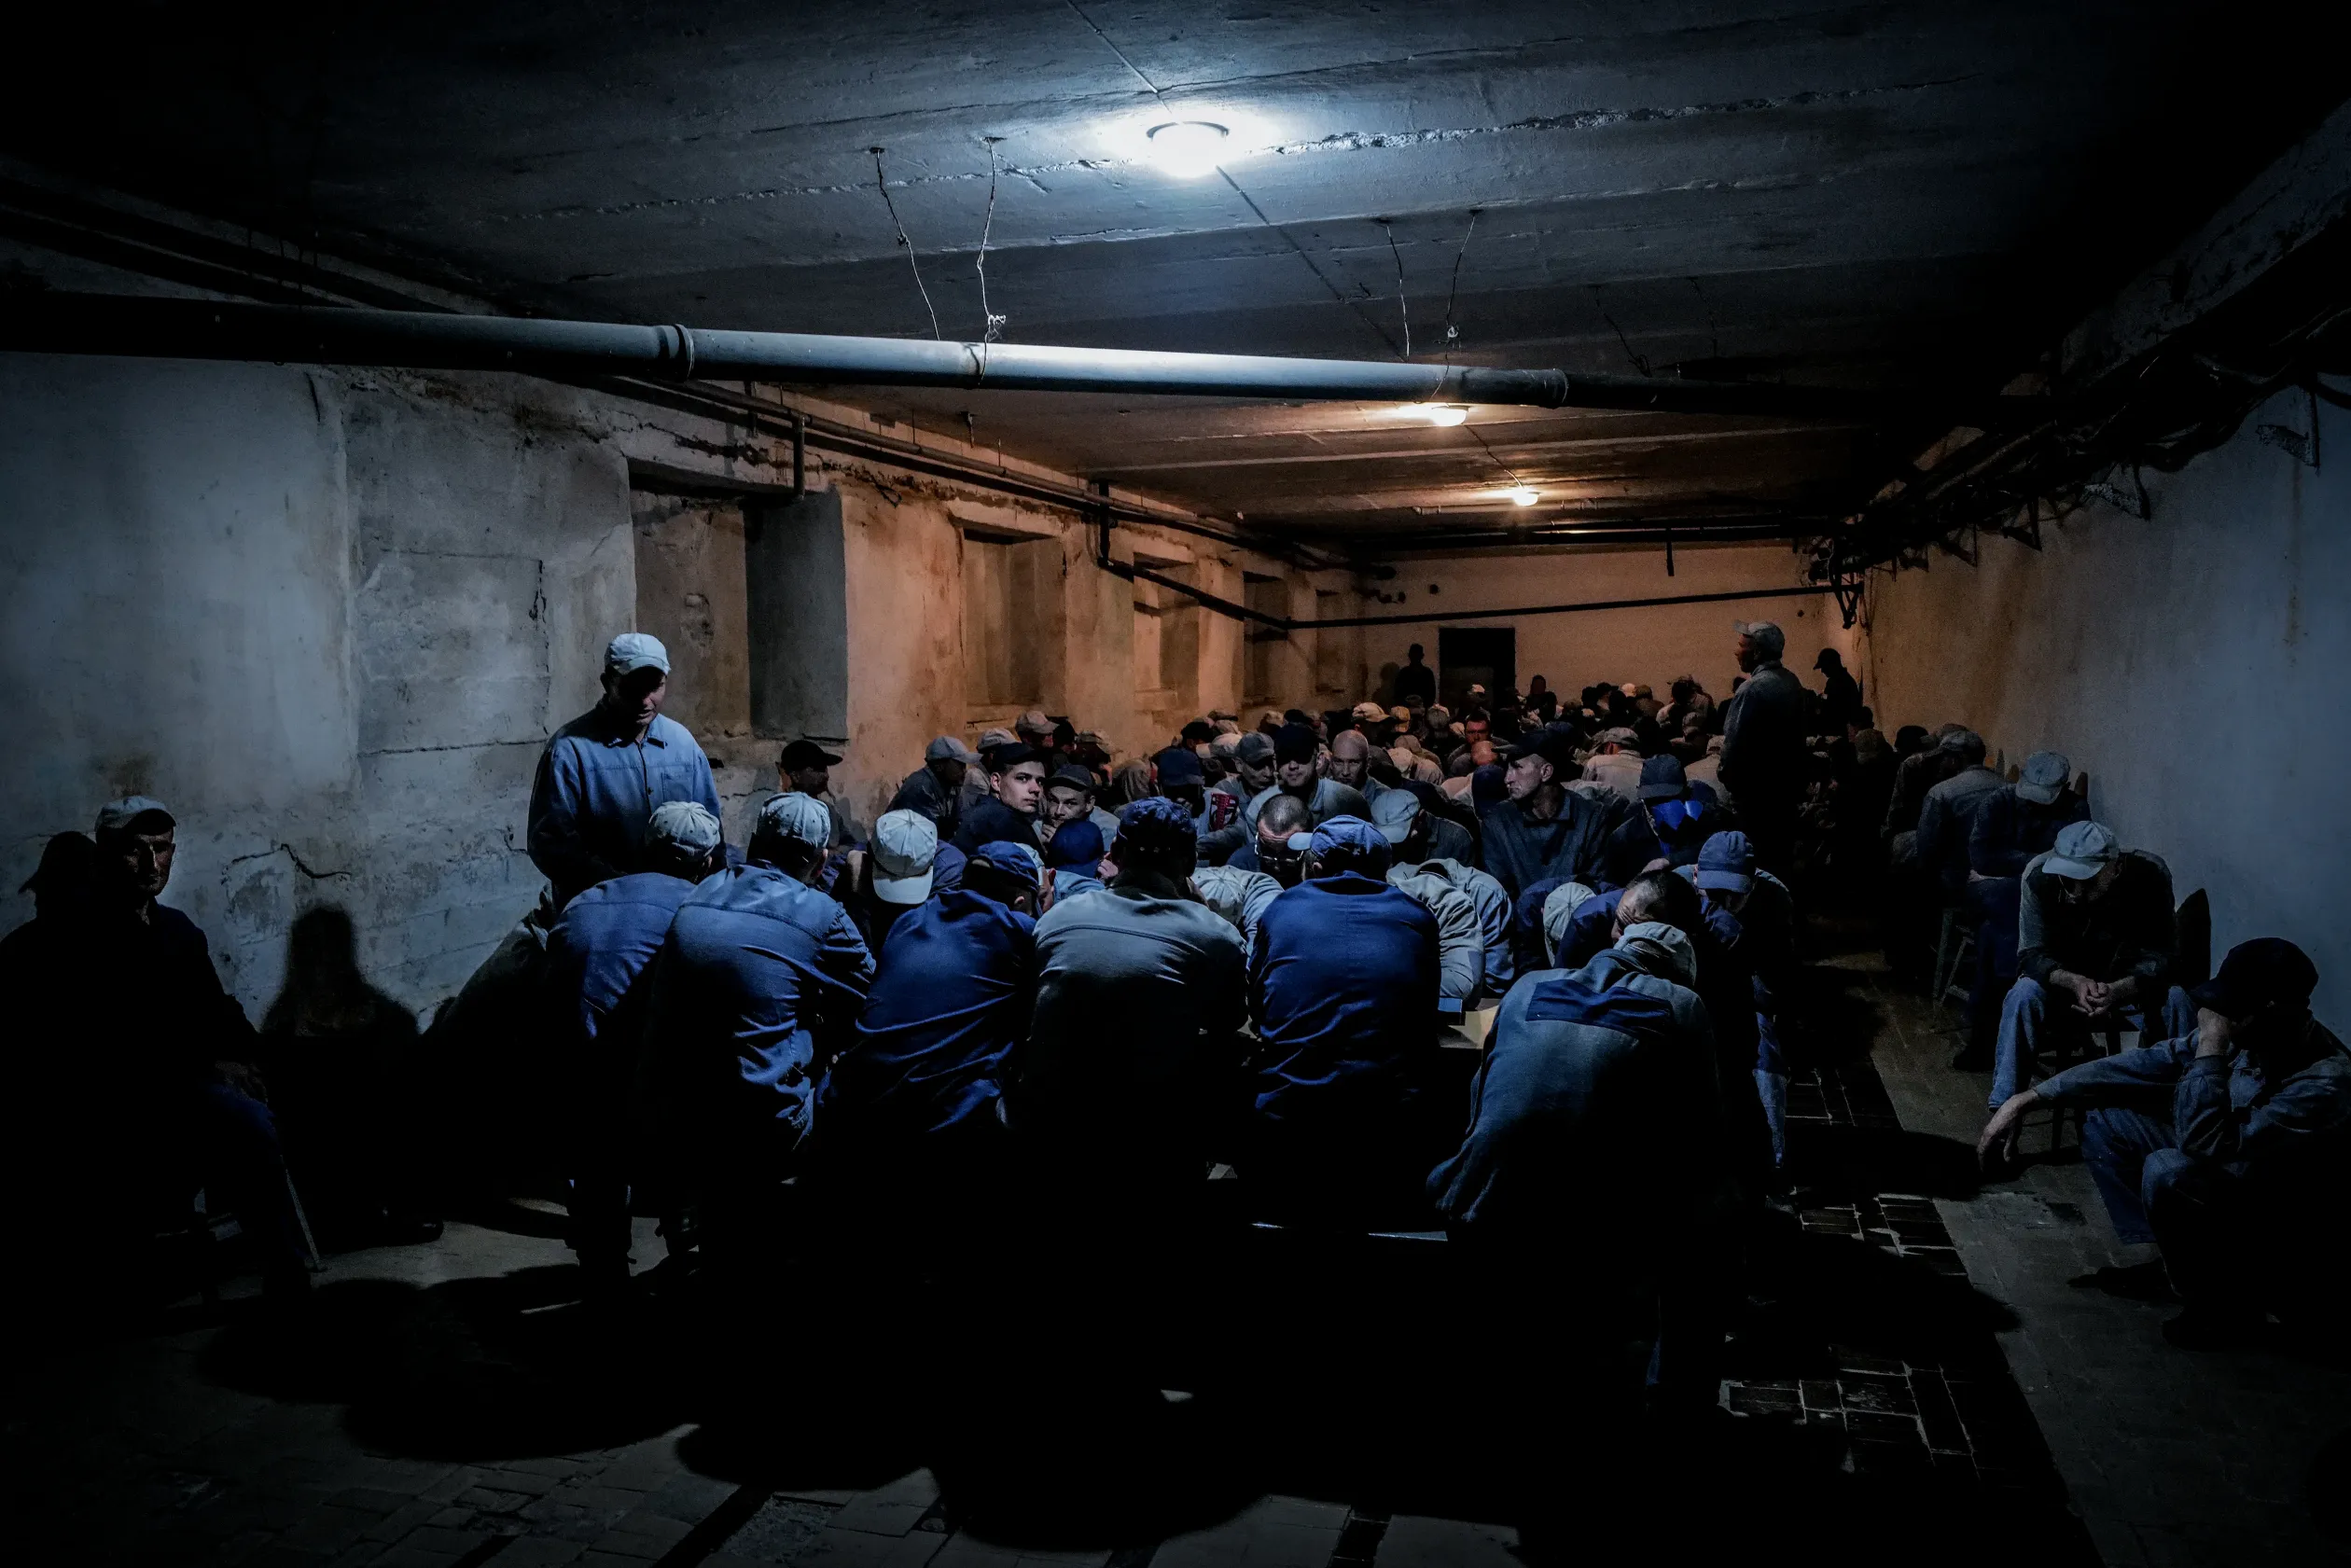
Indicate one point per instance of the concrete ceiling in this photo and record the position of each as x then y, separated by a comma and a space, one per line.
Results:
1899, 196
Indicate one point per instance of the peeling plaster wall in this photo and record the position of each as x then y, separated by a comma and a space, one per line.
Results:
1572, 651
2192, 664
331, 617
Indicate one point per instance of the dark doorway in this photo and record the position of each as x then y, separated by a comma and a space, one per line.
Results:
1475, 656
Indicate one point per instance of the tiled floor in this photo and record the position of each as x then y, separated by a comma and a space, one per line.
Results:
454, 1405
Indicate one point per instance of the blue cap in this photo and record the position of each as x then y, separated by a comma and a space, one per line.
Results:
1487, 786
1178, 765
1158, 825
1354, 835
1726, 862
1017, 861
1075, 843
1662, 779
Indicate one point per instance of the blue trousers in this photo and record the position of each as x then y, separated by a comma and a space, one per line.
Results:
2033, 1015
1991, 908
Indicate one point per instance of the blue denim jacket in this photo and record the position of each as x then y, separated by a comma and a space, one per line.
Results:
757, 966
2222, 1107
596, 787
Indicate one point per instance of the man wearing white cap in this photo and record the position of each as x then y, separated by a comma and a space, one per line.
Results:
598, 958
890, 876
602, 773
760, 977
2096, 939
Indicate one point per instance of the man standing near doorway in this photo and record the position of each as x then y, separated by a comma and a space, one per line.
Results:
1415, 679
1765, 761
605, 772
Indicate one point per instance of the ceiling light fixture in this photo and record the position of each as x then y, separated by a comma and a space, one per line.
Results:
1188, 148
1525, 495
1439, 413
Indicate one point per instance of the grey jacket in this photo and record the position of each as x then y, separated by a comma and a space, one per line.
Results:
1460, 940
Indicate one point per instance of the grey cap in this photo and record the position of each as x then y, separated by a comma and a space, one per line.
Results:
948, 749
1957, 742
1256, 748
1394, 812
904, 844
1558, 909
2083, 850
2042, 776
684, 825
801, 818
634, 650
115, 816
991, 739
1661, 949
1769, 640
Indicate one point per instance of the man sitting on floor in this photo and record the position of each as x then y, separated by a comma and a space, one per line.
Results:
2230, 1149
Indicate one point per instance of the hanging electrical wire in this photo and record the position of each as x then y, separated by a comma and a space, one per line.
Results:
882, 182
1453, 293
990, 324
1402, 309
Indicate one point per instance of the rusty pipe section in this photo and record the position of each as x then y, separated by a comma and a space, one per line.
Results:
175, 329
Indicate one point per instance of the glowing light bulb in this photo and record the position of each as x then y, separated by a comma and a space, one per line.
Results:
1525, 495
1188, 148
1439, 413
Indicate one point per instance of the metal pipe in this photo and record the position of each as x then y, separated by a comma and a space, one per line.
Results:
1563, 609
64, 323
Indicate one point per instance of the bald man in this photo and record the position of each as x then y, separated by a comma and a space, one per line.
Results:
1350, 764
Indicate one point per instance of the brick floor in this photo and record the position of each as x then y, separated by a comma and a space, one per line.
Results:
1902, 1362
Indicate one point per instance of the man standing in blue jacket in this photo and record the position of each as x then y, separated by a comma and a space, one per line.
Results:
603, 774
761, 977
598, 958
1343, 984
2229, 1148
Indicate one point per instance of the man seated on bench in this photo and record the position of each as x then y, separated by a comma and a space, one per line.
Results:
2229, 1148
2095, 938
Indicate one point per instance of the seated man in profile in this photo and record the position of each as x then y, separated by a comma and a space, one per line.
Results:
760, 978
598, 959
1343, 983
2229, 1148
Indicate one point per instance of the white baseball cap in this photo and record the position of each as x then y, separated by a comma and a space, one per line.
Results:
904, 844
800, 817
115, 816
634, 650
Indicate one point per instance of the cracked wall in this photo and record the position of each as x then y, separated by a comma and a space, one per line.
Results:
2192, 664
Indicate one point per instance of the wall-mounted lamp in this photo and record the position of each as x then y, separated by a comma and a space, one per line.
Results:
1439, 413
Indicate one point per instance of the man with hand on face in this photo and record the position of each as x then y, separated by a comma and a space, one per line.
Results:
603, 774
1252, 758
1296, 773
1016, 788
2229, 1148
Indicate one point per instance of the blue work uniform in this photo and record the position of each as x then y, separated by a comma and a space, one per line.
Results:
949, 1001
596, 788
599, 958
1344, 982
759, 974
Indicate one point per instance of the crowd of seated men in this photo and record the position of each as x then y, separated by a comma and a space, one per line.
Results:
1042, 966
